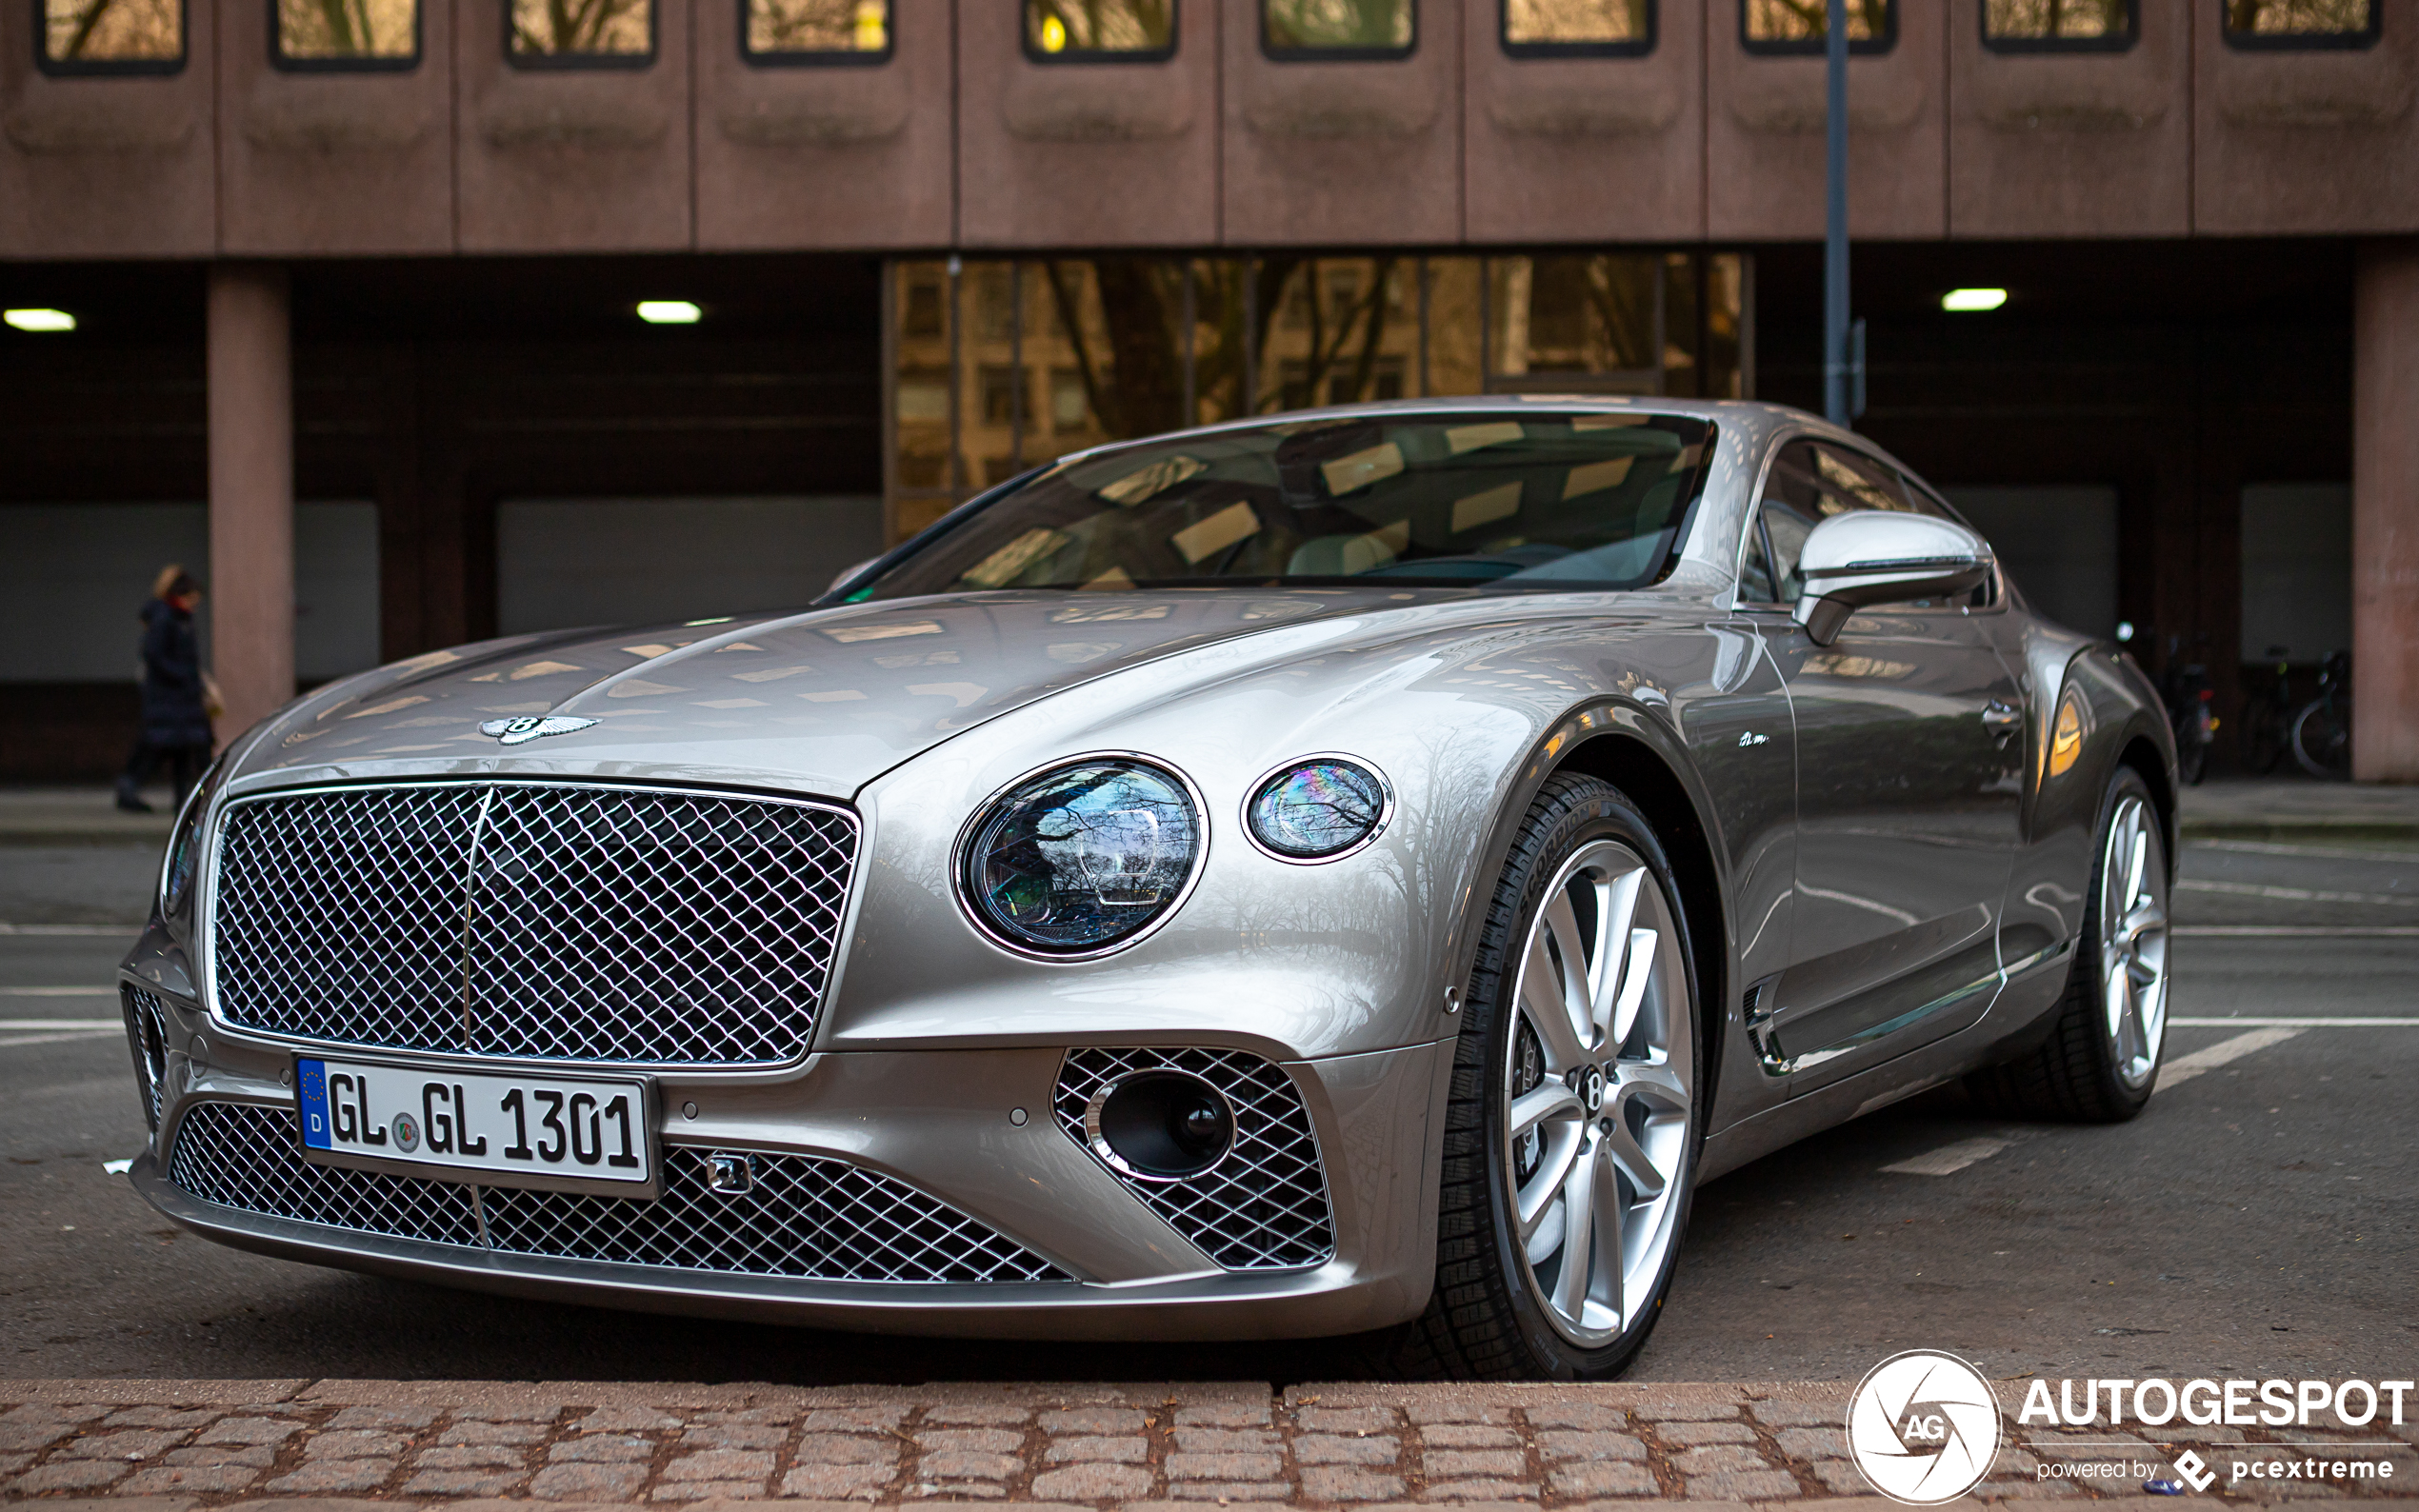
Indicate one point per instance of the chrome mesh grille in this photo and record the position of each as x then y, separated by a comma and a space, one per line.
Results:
146, 1036
803, 1216
240, 1155
800, 1216
1262, 1207
532, 918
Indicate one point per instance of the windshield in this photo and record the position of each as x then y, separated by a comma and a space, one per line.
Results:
1484, 500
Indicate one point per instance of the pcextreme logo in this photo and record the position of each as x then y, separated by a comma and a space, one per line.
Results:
1924, 1427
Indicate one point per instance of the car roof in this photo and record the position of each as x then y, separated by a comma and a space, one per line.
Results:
1754, 414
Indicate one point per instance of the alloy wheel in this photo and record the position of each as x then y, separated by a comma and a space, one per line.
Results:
1598, 1090
2134, 942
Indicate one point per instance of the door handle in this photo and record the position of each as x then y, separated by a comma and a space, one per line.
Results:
2002, 720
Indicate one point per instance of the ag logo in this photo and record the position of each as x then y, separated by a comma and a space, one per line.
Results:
1924, 1427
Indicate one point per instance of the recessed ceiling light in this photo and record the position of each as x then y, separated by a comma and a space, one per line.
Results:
1964, 300
40, 319
669, 312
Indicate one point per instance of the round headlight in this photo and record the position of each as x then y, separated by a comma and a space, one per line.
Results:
1317, 808
1080, 860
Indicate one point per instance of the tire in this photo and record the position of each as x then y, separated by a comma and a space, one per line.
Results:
2321, 743
2101, 1061
1627, 1112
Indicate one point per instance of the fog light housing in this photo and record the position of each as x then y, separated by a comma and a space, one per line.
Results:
1160, 1125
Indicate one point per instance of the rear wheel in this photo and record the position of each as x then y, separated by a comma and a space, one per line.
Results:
1572, 1135
2322, 740
2102, 1058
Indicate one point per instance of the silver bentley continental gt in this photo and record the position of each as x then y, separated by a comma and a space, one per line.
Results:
1350, 872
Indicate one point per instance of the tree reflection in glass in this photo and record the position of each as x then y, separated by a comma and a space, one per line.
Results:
1349, 26
2055, 20
1787, 21
573, 28
2288, 18
1073, 27
100, 32
818, 26
335, 31
1572, 23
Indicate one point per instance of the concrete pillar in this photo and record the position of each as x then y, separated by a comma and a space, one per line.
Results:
252, 493
2384, 513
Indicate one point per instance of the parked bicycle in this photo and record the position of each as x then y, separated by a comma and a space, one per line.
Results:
2322, 732
2183, 687
2267, 721
2189, 711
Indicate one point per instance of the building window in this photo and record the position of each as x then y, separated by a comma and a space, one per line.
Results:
1797, 27
580, 33
2282, 24
112, 36
1326, 30
345, 34
1100, 31
1578, 29
815, 31
2060, 26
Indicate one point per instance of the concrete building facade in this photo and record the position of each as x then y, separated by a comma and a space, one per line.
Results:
356, 285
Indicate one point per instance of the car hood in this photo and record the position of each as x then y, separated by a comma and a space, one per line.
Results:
821, 701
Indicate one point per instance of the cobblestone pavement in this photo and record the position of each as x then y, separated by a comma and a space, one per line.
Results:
358, 1445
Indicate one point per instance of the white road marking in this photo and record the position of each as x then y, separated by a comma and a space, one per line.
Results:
2186, 1067
95, 931
2268, 847
58, 992
2253, 889
27, 1025
118, 1167
1950, 1158
11, 1043
2298, 931
2301, 1023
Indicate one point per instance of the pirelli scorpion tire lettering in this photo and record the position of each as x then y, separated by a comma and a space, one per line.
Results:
1574, 1130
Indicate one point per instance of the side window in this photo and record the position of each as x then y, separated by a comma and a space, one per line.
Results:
1755, 566
1809, 482
1786, 529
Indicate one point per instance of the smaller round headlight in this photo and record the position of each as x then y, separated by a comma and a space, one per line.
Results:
1078, 861
1317, 808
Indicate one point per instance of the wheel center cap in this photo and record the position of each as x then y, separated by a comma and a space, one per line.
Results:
1591, 1089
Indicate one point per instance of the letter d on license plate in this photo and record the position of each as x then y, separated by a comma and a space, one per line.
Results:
524, 1126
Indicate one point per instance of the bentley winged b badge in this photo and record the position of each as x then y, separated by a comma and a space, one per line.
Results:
530, 727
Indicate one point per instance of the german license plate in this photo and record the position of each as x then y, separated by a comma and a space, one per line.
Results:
526, 1126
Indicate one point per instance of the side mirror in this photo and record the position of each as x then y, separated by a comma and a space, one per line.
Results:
1881, 556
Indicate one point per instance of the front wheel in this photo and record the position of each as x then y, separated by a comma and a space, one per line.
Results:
1572, 1135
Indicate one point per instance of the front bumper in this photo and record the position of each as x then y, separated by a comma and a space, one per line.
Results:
941, 1122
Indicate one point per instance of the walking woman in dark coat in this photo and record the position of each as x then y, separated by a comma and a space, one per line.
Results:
176, 716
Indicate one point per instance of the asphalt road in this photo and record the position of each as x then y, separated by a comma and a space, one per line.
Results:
2259, 1218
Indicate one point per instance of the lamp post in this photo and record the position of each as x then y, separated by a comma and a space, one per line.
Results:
1836, 333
